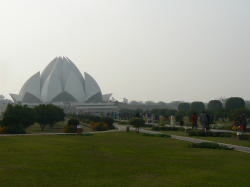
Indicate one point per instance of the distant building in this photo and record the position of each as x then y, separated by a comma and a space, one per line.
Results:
61, 83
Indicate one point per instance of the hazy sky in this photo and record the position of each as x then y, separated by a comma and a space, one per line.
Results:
160, 50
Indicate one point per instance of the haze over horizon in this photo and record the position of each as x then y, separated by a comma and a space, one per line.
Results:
164, 50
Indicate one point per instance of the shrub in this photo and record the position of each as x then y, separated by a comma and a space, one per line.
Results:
197, 106
184, 107
73, 122
210, 145
209, 133
214, 105
100, 126
70, 129
12, 130
109, 122
87, 121
235, 103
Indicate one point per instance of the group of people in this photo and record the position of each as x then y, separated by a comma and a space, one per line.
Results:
240, 124
204, 120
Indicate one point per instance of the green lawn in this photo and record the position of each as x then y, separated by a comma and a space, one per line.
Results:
117, 159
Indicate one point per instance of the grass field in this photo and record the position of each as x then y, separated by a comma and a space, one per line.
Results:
117, 159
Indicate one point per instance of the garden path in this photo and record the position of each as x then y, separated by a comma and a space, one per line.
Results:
184, 138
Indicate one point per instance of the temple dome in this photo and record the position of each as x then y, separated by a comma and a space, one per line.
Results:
60, 81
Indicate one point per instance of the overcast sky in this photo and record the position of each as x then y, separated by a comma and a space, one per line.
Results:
159, 50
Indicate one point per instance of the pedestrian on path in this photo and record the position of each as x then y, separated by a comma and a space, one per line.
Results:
203, 120
243, 122
194, 120
172, 120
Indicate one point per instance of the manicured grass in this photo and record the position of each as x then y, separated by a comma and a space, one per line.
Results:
117, 159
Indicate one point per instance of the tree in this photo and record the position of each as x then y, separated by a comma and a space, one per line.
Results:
170, 113
197, 106
235, 103
214, 105
184, 107
48, 114
235, 114
109, 122
137, 123
179, 116
221, 113
73, 122
18, 116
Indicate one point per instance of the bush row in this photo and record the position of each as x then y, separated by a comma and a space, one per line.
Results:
210, 145
12, 130
209, 133
156, 135
159, 128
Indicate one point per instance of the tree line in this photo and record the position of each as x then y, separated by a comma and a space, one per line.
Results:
20, 117
231, 110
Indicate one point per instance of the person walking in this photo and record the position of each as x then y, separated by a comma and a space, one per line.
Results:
243, 122
194, 120
203, 120
172, 120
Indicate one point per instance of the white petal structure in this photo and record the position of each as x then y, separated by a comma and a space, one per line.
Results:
61, 81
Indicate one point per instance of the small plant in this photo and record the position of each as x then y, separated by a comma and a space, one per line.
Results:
210, 145
137, 123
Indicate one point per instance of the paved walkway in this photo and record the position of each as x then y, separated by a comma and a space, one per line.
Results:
188, 139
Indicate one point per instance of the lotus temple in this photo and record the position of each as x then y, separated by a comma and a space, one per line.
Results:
61, 83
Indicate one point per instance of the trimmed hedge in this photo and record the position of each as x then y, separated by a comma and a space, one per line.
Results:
210, 145
156, 135
12, 130
210, 133
157, 128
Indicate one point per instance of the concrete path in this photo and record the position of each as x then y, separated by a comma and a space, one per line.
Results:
188, 139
